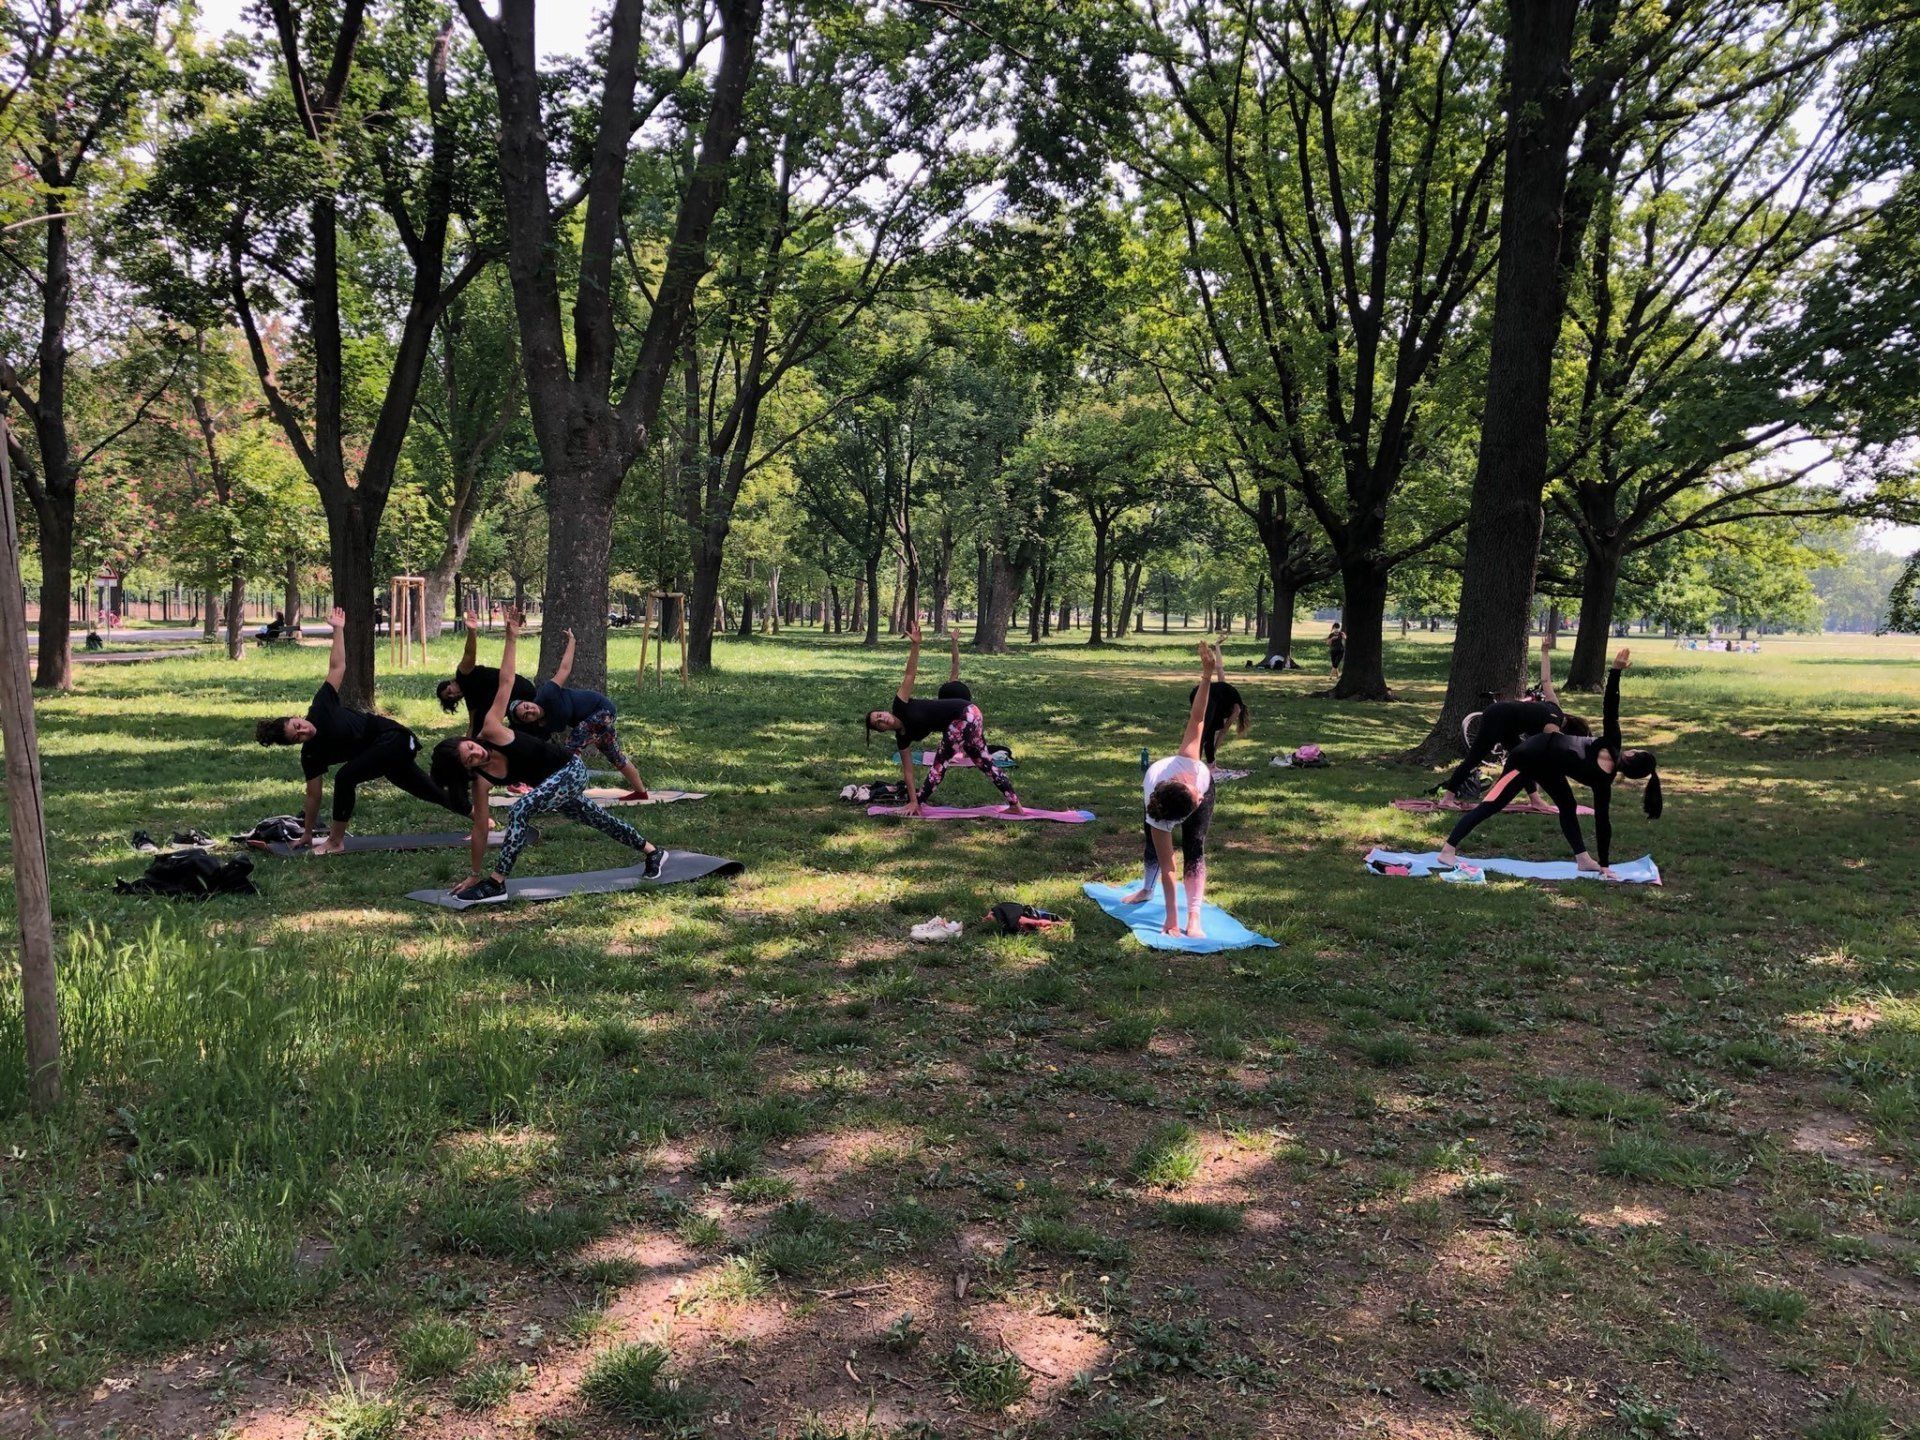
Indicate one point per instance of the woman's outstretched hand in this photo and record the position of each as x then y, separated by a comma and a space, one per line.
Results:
1623, 659
913, 628
337, 618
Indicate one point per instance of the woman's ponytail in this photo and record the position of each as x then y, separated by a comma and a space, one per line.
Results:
1641, 765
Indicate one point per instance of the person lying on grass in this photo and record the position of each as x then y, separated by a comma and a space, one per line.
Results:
475, 684
1551, 761
468, 767
582, 718
961, 727
1505, 723
365, 747
1179, 792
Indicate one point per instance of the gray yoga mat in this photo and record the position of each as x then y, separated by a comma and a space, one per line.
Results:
610, 796
680, 866
440, 840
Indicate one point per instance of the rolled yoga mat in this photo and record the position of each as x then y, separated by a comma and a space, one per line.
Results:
985, 812
1425, 805
1144, 920
609, 798
1420, 863
439, 840
680, 866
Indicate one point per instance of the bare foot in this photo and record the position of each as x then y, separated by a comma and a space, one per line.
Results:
1014, 807
1139, 897
1194, 932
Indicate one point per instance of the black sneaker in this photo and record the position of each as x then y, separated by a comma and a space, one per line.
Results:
655, 858
487, 891
197, 838
143, 842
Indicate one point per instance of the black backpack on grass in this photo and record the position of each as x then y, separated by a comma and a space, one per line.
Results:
190, 875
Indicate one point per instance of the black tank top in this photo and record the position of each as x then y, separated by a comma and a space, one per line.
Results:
528, 759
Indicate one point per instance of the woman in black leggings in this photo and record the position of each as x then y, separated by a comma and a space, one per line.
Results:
365, 747
1552, 761
1225, 709
1505, 723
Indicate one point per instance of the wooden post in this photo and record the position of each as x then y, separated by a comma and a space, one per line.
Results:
39, 996
646, 634
405, 623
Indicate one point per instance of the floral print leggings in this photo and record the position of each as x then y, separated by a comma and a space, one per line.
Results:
597, 731
561, 793
966, 736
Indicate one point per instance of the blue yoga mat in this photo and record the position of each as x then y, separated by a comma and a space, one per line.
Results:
1631, 872
1223, 931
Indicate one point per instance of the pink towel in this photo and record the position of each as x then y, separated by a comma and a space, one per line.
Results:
985, 812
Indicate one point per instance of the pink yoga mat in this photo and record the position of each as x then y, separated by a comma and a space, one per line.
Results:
1519, 807
985, 812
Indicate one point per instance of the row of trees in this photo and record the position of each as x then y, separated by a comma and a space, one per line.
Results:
1415, 308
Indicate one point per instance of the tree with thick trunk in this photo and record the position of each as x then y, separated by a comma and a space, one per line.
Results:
75, 80
370, 164
594, 396
1329, 172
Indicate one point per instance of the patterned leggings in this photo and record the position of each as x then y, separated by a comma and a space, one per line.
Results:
597, 731
561, 793
966, 736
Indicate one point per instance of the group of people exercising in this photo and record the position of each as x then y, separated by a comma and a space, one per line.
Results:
533, 739
529, 738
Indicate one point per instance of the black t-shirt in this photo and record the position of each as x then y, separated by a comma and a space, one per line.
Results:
921, 718
479, 685
1507, 722
526, 759
339, 734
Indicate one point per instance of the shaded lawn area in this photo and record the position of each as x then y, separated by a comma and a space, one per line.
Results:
741, 1159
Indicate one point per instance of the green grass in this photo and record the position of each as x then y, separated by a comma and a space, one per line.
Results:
630, 1382
430, 1347
1668, 1131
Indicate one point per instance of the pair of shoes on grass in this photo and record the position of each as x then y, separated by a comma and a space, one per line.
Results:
936, 931
192, 839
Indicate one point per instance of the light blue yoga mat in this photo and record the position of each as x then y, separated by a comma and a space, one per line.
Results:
1223, 931
1631, 872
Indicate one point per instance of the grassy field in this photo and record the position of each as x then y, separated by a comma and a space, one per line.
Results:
742, 1160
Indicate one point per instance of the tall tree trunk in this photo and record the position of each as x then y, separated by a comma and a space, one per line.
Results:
856, 617
291, 611
579, 544
746, 606
773, 601
1504, 516
997, 598
1599, 587
236, 607
1280, 615
444, 573
209, 615
873, 600
1096, 613
1130, 604
1364, 614
351, 534
54, 668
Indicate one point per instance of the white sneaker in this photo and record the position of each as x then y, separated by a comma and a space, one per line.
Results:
937, 930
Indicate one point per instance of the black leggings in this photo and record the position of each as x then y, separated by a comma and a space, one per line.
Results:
1193, 841
1511, 784
956, 690
392, 757
1494, 732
